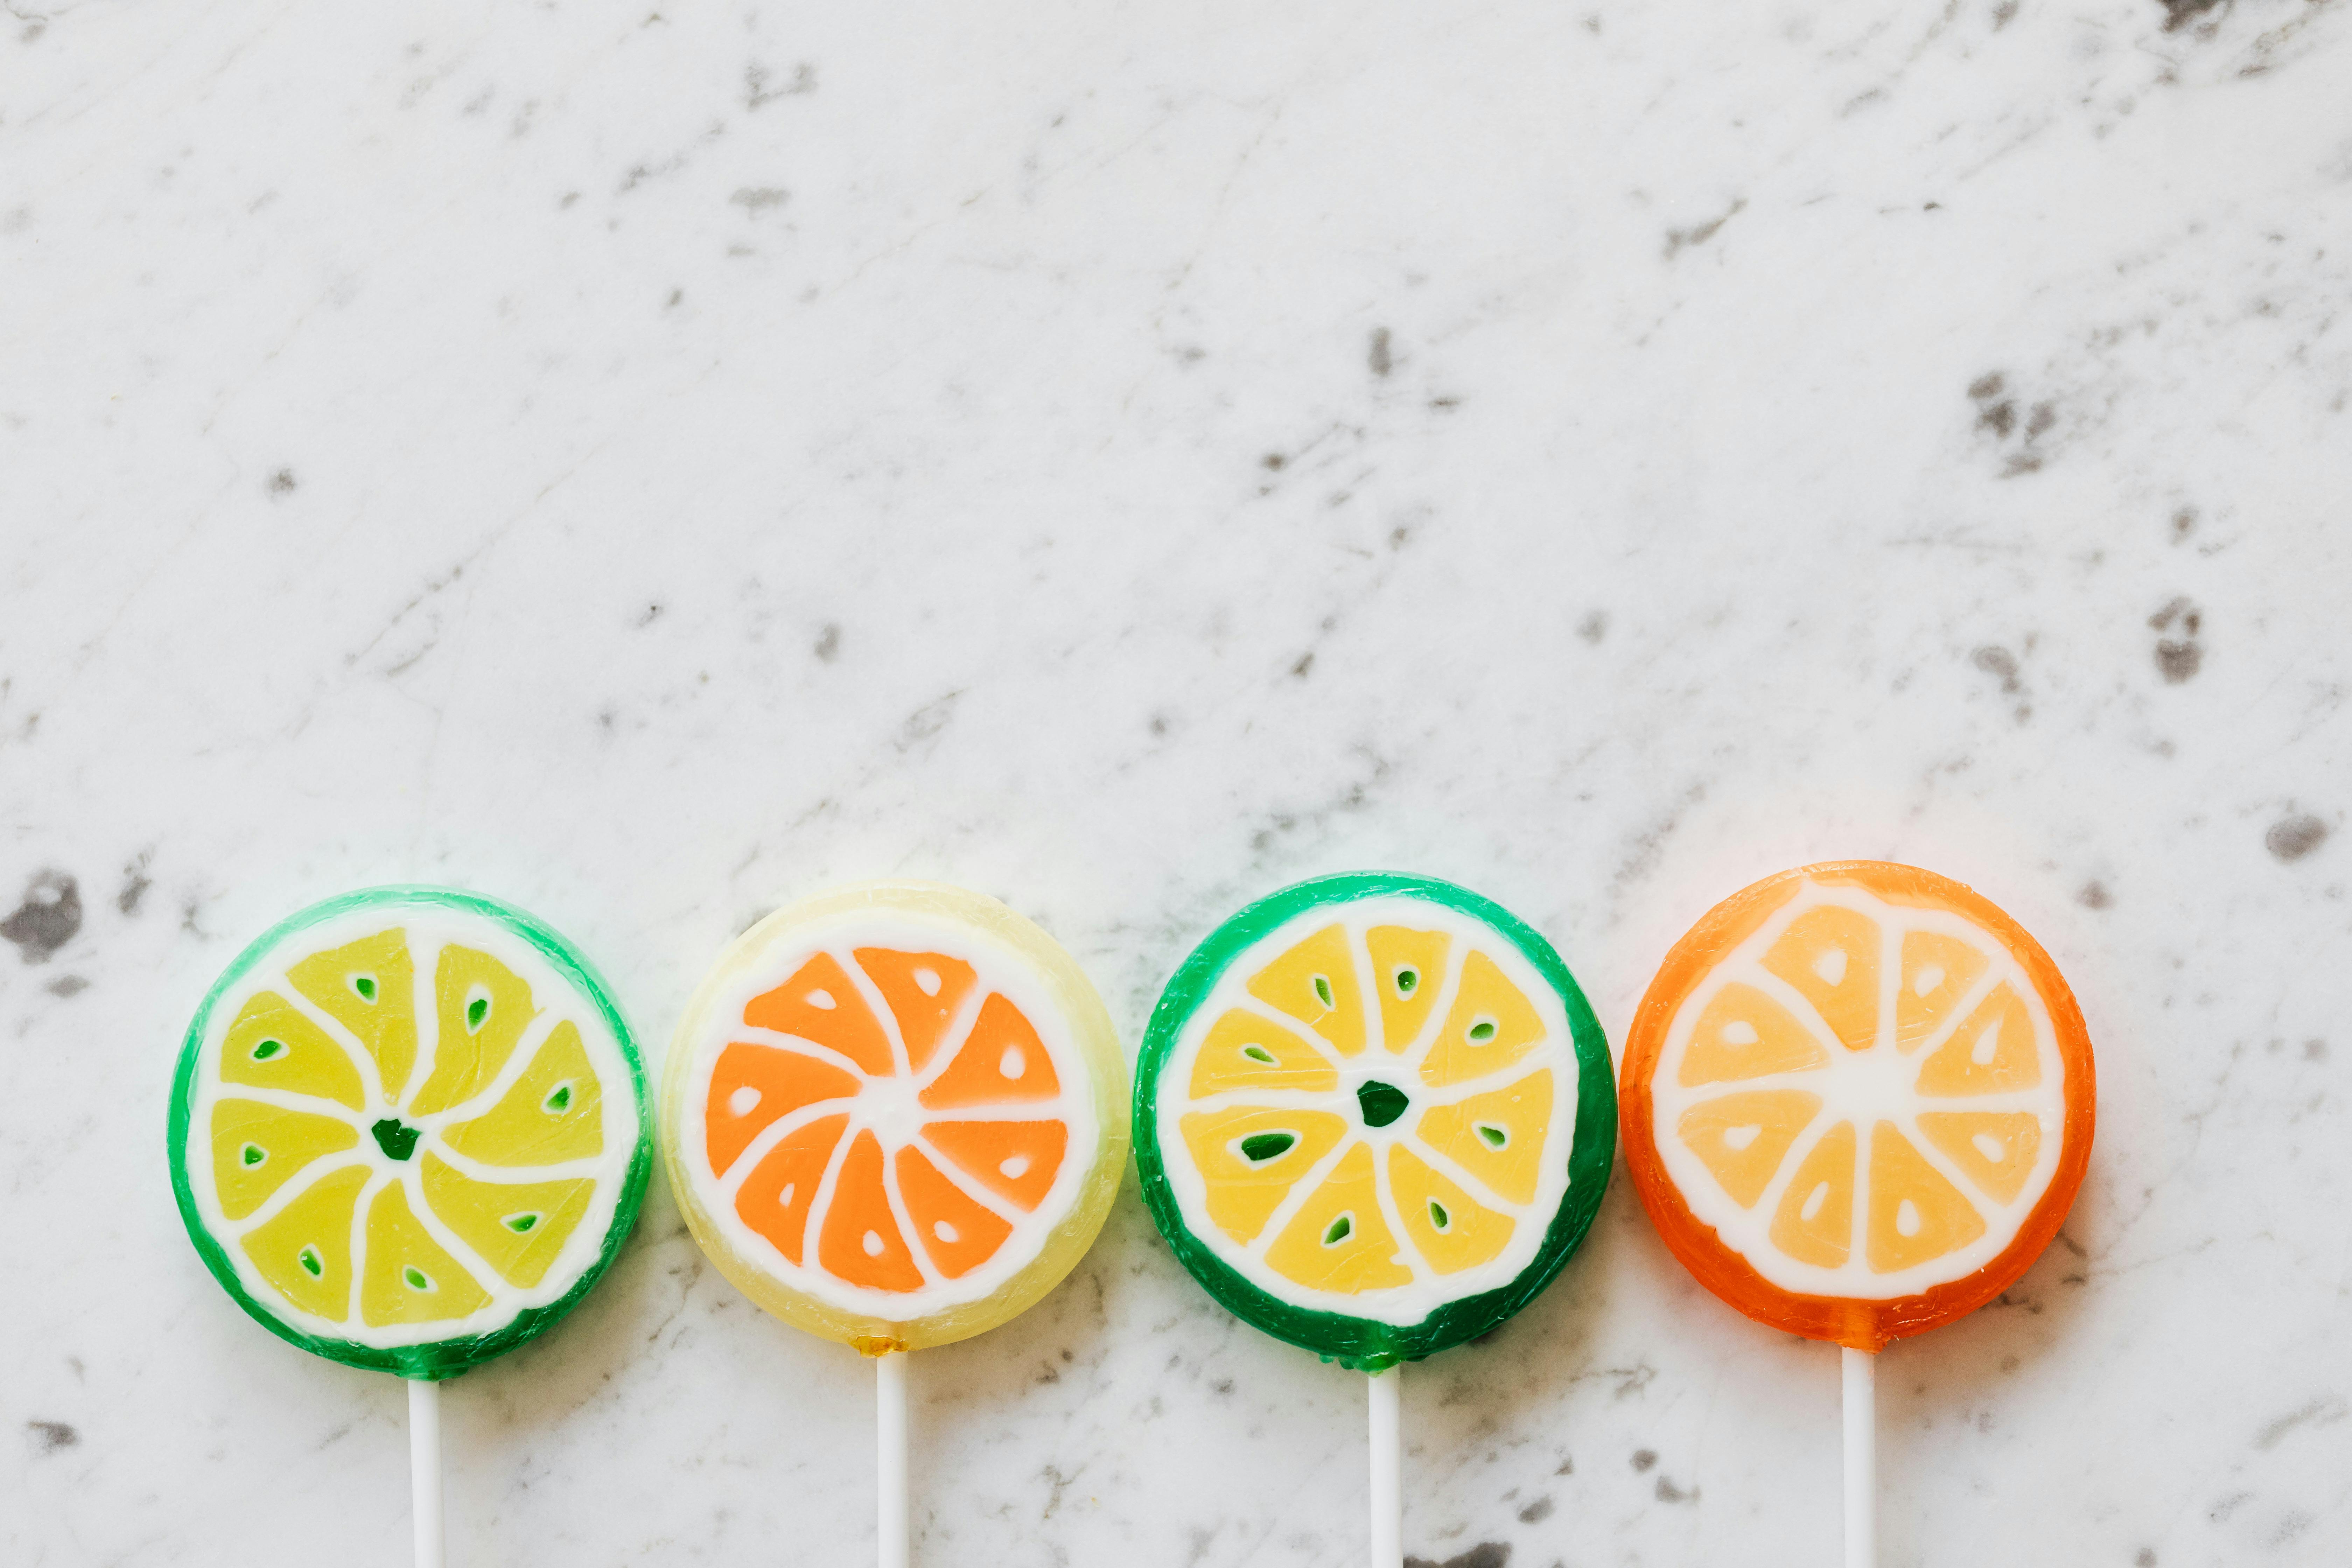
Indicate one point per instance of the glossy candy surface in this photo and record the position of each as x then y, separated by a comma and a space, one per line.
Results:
1858, 1101
1374, 1116
895, 1114
408, 1131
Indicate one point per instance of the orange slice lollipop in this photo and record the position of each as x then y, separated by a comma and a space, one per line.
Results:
1857, 1101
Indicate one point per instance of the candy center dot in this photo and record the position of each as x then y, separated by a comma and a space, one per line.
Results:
1323, 989
1988, 1145
520, 1224
1259, 1054
873, 1244
1927, 979
1407, 982
821, 999
1013, 1064
1907, 1217
1738, 1138
1383, 1102
558, 1098
926, 980
1482, 1030
1813, 1202
1339, 1230
265, 1050
253, 1154
1438, 1218
366, 986
743, 1101
946, 1233
397, 1141
1016, 1167
1831, 966
478, 1011
1496, 1137
312, 1264
416, 1278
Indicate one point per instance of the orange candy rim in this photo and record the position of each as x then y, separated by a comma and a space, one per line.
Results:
1862, 1325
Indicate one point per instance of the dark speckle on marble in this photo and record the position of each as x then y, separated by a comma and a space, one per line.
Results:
282, 483
1998, 661
2095, 896
47, 918
1486, 1554
2178, 656
66, 985
1537, 1511
2184, 523
828, 644
1274, 461
2289, 838
2178, 14
1987, 386
1644, 1458
1378, 358
1306, 662
2144, 1558
134, 884
1593, 626
52, 1435
1669, 1492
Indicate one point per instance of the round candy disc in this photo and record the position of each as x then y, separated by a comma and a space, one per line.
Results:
1374, 1116
895, 1114
408, 1130
1857, 1101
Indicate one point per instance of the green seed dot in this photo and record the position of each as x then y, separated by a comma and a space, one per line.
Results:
1339, 1230
310, 1261
475, 1011
268, 1049
520, 1224
1405, 981
253, 1154
1438, 1216
1259, 1054
417, 1280
1496, 1137
559, 1099
1323, 990
1260, 1147
366, 986
1482, 1031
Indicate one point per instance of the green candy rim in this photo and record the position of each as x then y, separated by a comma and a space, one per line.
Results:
443, 1358
1355, 1343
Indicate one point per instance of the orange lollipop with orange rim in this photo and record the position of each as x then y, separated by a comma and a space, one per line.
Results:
1857, 1103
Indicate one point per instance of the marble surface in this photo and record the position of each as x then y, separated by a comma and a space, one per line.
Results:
650, 463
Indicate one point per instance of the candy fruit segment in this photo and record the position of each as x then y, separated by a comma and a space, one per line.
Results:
896, 1114
414, 1188
1857, 1101
1374, 1180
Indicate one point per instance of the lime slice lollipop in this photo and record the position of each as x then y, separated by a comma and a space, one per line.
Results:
408, 1130
1374, 1116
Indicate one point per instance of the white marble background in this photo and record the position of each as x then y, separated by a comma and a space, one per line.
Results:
649, 463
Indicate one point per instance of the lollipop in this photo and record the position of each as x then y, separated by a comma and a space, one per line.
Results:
407, 1133
895, 1115
1373, 1117
1858, 1104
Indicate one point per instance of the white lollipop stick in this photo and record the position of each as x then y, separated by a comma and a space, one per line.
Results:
424, 1470
1388, 1469
1861, 1459
890, 1459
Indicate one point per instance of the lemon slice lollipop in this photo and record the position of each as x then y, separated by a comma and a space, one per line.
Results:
1374, 1116
408, 1130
